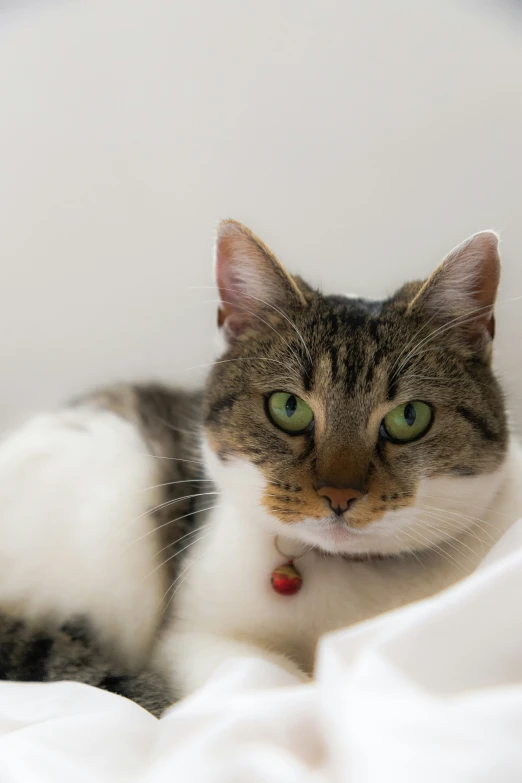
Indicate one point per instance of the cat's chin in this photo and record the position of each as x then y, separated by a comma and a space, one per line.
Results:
335, 537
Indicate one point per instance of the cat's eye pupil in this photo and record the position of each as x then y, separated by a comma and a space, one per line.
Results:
291, 405
407, 422
410, 415
289, 412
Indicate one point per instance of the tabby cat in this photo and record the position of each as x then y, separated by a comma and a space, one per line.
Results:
360, 445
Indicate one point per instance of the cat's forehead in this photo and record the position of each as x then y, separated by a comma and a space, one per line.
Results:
355, 344
356, 302
351, 344
352, 322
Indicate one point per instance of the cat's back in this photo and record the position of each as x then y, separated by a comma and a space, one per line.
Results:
78, 489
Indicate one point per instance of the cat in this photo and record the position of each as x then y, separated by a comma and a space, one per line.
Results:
360, 448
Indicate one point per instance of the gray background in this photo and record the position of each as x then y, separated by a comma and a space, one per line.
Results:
360, 140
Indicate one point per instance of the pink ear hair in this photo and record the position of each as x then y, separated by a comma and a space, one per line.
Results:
463, 288
250, 280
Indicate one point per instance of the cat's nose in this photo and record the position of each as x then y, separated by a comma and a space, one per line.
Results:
340, 498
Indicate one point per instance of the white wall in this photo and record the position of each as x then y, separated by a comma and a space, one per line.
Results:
360, 139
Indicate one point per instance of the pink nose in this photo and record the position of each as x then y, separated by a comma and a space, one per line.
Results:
340, 498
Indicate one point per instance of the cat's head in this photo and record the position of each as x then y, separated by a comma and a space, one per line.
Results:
357, 426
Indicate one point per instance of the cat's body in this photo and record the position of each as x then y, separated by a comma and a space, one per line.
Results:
98, 509
336, 592
79, 543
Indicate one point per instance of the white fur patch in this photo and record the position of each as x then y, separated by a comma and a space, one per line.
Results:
443, 509
72, 507
225, 599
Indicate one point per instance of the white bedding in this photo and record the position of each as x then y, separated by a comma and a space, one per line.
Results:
429, 693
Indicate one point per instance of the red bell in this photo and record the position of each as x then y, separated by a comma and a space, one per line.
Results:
286, 579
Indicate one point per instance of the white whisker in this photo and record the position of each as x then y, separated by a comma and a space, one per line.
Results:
251, 312
443, 530
472, 505
237, 359
170, 483
276, 309
171, 503
474, 520
175, 459
192, 432
170, 522
175, 582
460, 320
196, 541
431, 545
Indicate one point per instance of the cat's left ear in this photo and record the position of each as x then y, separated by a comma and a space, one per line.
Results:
461, 292
252, 284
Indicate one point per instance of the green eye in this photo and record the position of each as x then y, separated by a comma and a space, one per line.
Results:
406, 422
289, 413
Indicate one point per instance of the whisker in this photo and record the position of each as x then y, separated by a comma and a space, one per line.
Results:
176, 459
197, 529
277, 310
444, 531
434, 546
170, 483
410, 342
406, 549
434, 550
168, 559
198, 511
251, 312
191, 432
175, 581
473, 505
171, 521
475, 520
171, 503
454, 322
469, 532
237, 359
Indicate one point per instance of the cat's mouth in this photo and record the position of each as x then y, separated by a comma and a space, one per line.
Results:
335, 536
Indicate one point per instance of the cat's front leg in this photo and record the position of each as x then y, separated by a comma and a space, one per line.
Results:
189, 658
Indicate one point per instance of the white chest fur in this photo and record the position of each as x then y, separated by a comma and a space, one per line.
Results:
226, 590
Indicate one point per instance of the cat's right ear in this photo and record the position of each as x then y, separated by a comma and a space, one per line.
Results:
251, 281
461, 292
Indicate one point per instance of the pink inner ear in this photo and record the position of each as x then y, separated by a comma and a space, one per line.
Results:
226, 278
489, 281
463, 289
487, 293
249, 279
232, 313
480, 257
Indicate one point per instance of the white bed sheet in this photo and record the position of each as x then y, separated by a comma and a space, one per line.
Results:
428, 693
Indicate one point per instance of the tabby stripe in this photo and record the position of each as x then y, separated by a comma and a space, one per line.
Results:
308, 450
308, 371
477, 422
379, 451
375, 360
393, 384
221, 404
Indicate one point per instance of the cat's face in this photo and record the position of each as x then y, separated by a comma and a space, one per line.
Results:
347, 419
